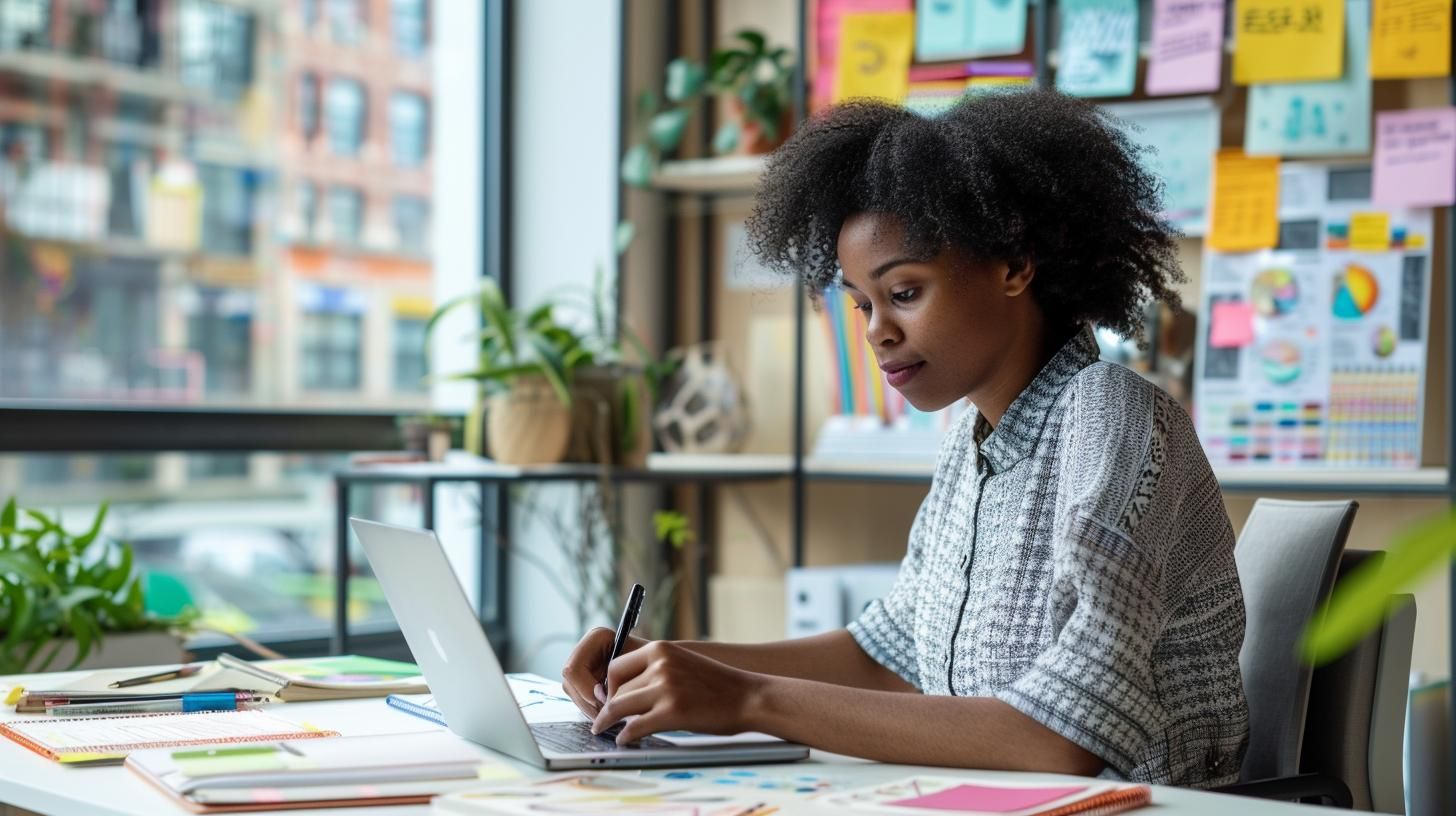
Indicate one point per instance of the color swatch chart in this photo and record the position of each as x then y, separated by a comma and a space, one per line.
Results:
1375, 417
1266, 432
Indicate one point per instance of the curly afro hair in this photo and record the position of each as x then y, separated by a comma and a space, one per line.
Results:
1024, 176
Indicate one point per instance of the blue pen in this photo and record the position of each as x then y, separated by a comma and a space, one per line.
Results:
187, 703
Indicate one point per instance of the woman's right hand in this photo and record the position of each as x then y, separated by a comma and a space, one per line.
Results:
584, 676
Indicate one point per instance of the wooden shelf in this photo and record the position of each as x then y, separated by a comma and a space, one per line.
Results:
660, 468
724, 175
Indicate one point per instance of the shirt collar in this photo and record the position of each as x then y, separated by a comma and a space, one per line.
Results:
1014, 438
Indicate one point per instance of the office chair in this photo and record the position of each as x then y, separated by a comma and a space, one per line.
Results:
1288, 554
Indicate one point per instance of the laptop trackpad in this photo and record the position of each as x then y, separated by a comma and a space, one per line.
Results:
577, 738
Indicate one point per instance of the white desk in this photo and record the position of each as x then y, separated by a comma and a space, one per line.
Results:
32, 782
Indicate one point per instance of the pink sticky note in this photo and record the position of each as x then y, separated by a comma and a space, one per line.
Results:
987, 799
1231, 325
1186, 52
1415, 158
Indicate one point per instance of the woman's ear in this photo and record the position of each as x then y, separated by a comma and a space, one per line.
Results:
1019, 273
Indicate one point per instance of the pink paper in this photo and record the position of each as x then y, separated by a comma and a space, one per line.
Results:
1415, 158
987, 799
1231, 325
1187, 47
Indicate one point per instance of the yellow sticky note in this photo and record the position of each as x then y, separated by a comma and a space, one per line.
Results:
1288, 40
1370, 232
496, 772
14, 696
874, 56
1410, 38
1245, 206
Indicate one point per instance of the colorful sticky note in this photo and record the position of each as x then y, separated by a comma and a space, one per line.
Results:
874, 56
1370, 232
986, 799
1245, 204
960, 29
1288, 40
1186, 54
1182, 135
1411, 38
1231, 325
1098, 52
1317, 118
828, 24
1415, 158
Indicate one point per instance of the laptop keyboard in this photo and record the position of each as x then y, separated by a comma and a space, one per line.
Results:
577, 738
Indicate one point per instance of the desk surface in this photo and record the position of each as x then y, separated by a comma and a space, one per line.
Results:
32, 782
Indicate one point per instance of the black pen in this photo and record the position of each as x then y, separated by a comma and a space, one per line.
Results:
628, 621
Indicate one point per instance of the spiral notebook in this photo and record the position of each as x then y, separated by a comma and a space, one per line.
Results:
924, 795
107, 740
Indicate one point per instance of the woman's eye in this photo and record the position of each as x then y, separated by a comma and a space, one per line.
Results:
862, 307
904, 296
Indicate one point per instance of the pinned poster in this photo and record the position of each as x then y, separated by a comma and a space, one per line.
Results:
1186, 54
874, 56
1317, 118
961, 29
1245, 213
1098, 47
1288, 40
1411, 38
1182, 135
1415, 158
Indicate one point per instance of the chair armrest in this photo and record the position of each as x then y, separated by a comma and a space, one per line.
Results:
1327, 789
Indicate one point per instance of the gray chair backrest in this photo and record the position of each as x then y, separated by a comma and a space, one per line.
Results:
1287, 556
1356, 725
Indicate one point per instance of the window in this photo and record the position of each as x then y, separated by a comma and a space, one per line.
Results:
412, 223
215, 42
331, 351
307, 212
127, 169
410, 348
227, 209
308, 106
346, 21
344, 110
409, 22
24, 24
220, 332
408, 129
346, 215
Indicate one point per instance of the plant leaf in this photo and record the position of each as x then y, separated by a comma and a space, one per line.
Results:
665, 130
27, 564
553, 366
85, 539
621, 239
726, 139
115, 577
637, 166
1361, 601
22, 609
727, 67
685, 79
646, 104
756, 41
76, 596
7, 522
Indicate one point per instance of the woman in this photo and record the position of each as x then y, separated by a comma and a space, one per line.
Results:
1068, 601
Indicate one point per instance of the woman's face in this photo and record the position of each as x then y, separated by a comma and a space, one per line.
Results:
938, 326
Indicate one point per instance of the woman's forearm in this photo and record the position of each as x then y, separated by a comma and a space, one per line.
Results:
911, 729
833, 657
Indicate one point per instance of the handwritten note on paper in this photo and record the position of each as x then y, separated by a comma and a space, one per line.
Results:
1411, 38
1415, 158
1182, 136
964, 29
1098, 54
1231, 325
874, 56
1187, 47
1245, 213
1317, 118
1288, 40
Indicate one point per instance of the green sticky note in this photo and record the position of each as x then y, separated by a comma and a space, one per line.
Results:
230, 760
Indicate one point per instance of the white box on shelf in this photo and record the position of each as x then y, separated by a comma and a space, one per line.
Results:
822, 599
866, 438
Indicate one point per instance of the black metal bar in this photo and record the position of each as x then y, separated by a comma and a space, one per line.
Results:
1040, 38
62, 428
496, 145
483, 571
427, 504
339, 644
799, 510
501, 566
624, 123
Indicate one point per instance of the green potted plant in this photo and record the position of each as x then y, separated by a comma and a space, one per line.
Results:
756, 78
527, 365
68, 600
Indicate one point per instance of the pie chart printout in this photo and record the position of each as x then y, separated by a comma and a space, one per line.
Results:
1356, 292
1275, 292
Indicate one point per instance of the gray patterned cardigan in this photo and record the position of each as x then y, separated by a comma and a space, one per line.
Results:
1077, 562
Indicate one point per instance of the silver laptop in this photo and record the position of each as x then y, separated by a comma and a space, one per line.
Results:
471, 688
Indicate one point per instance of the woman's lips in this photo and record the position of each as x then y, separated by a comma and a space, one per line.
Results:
899, 376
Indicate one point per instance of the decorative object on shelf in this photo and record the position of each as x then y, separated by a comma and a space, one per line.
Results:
527, 362
703, 408
63, 596
429, 436
755, 77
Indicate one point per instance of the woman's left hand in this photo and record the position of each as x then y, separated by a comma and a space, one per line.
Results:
666, 687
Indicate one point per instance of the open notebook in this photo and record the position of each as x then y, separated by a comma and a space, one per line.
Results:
372, 770
326, 678
107, 740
